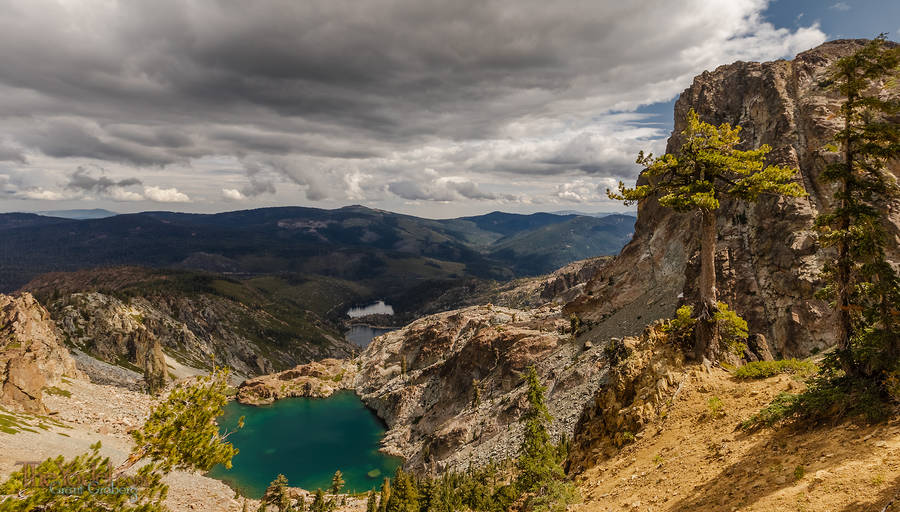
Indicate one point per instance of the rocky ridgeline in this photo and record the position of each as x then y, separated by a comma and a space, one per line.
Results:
768, 259
318, 379
32, 355
194, 329
559, 287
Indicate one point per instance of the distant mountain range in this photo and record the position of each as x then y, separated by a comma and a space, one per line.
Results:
595, 214
387, 253
94, 213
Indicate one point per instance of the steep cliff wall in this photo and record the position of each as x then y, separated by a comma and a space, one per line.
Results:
32, 356
768, 260
450, 386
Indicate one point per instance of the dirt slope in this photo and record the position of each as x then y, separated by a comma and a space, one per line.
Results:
693, 460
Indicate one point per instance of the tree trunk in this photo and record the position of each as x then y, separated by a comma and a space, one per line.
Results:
844, 264
843, 301
706, 332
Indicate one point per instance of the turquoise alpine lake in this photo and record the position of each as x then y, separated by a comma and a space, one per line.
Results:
306, 440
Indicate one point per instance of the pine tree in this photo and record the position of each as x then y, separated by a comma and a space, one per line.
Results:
404, 495
180, 433
426, 494
372, 502
537, 462
319, 504
337, 482
707, 169
385, 495
277, 494
540, 470
862, 284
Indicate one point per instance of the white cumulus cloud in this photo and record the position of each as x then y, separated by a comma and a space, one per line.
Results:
233, 194
165, 195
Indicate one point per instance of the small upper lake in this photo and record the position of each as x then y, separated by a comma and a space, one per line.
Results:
378, 308
306, 440
362, 335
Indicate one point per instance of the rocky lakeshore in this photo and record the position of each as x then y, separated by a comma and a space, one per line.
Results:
449, 386
318, 379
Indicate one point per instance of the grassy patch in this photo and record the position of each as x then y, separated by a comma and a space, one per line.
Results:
53, 390
765, 369
824, 400
781, 408
128, 365
716, 407
12, 424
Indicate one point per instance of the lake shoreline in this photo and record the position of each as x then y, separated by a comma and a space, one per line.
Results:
307, 440
373, 326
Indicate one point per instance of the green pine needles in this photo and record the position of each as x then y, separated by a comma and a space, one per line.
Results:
861, 378
535, 481
707, 169
181, 433
861, 283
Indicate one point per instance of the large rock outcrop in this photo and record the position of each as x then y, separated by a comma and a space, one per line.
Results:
32, 355
768, 261
450, 386
645, 373
111, 330
318, 379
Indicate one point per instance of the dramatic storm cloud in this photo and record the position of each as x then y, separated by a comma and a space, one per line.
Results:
430, 107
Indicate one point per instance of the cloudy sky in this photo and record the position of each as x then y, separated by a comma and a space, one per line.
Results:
434, 108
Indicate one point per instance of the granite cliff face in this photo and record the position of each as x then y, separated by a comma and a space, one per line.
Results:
450, 386
768, 260
32, 356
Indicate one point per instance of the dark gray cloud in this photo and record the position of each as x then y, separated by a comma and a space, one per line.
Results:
442, 189
8, 153
81, 180
348, 101
67, 138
